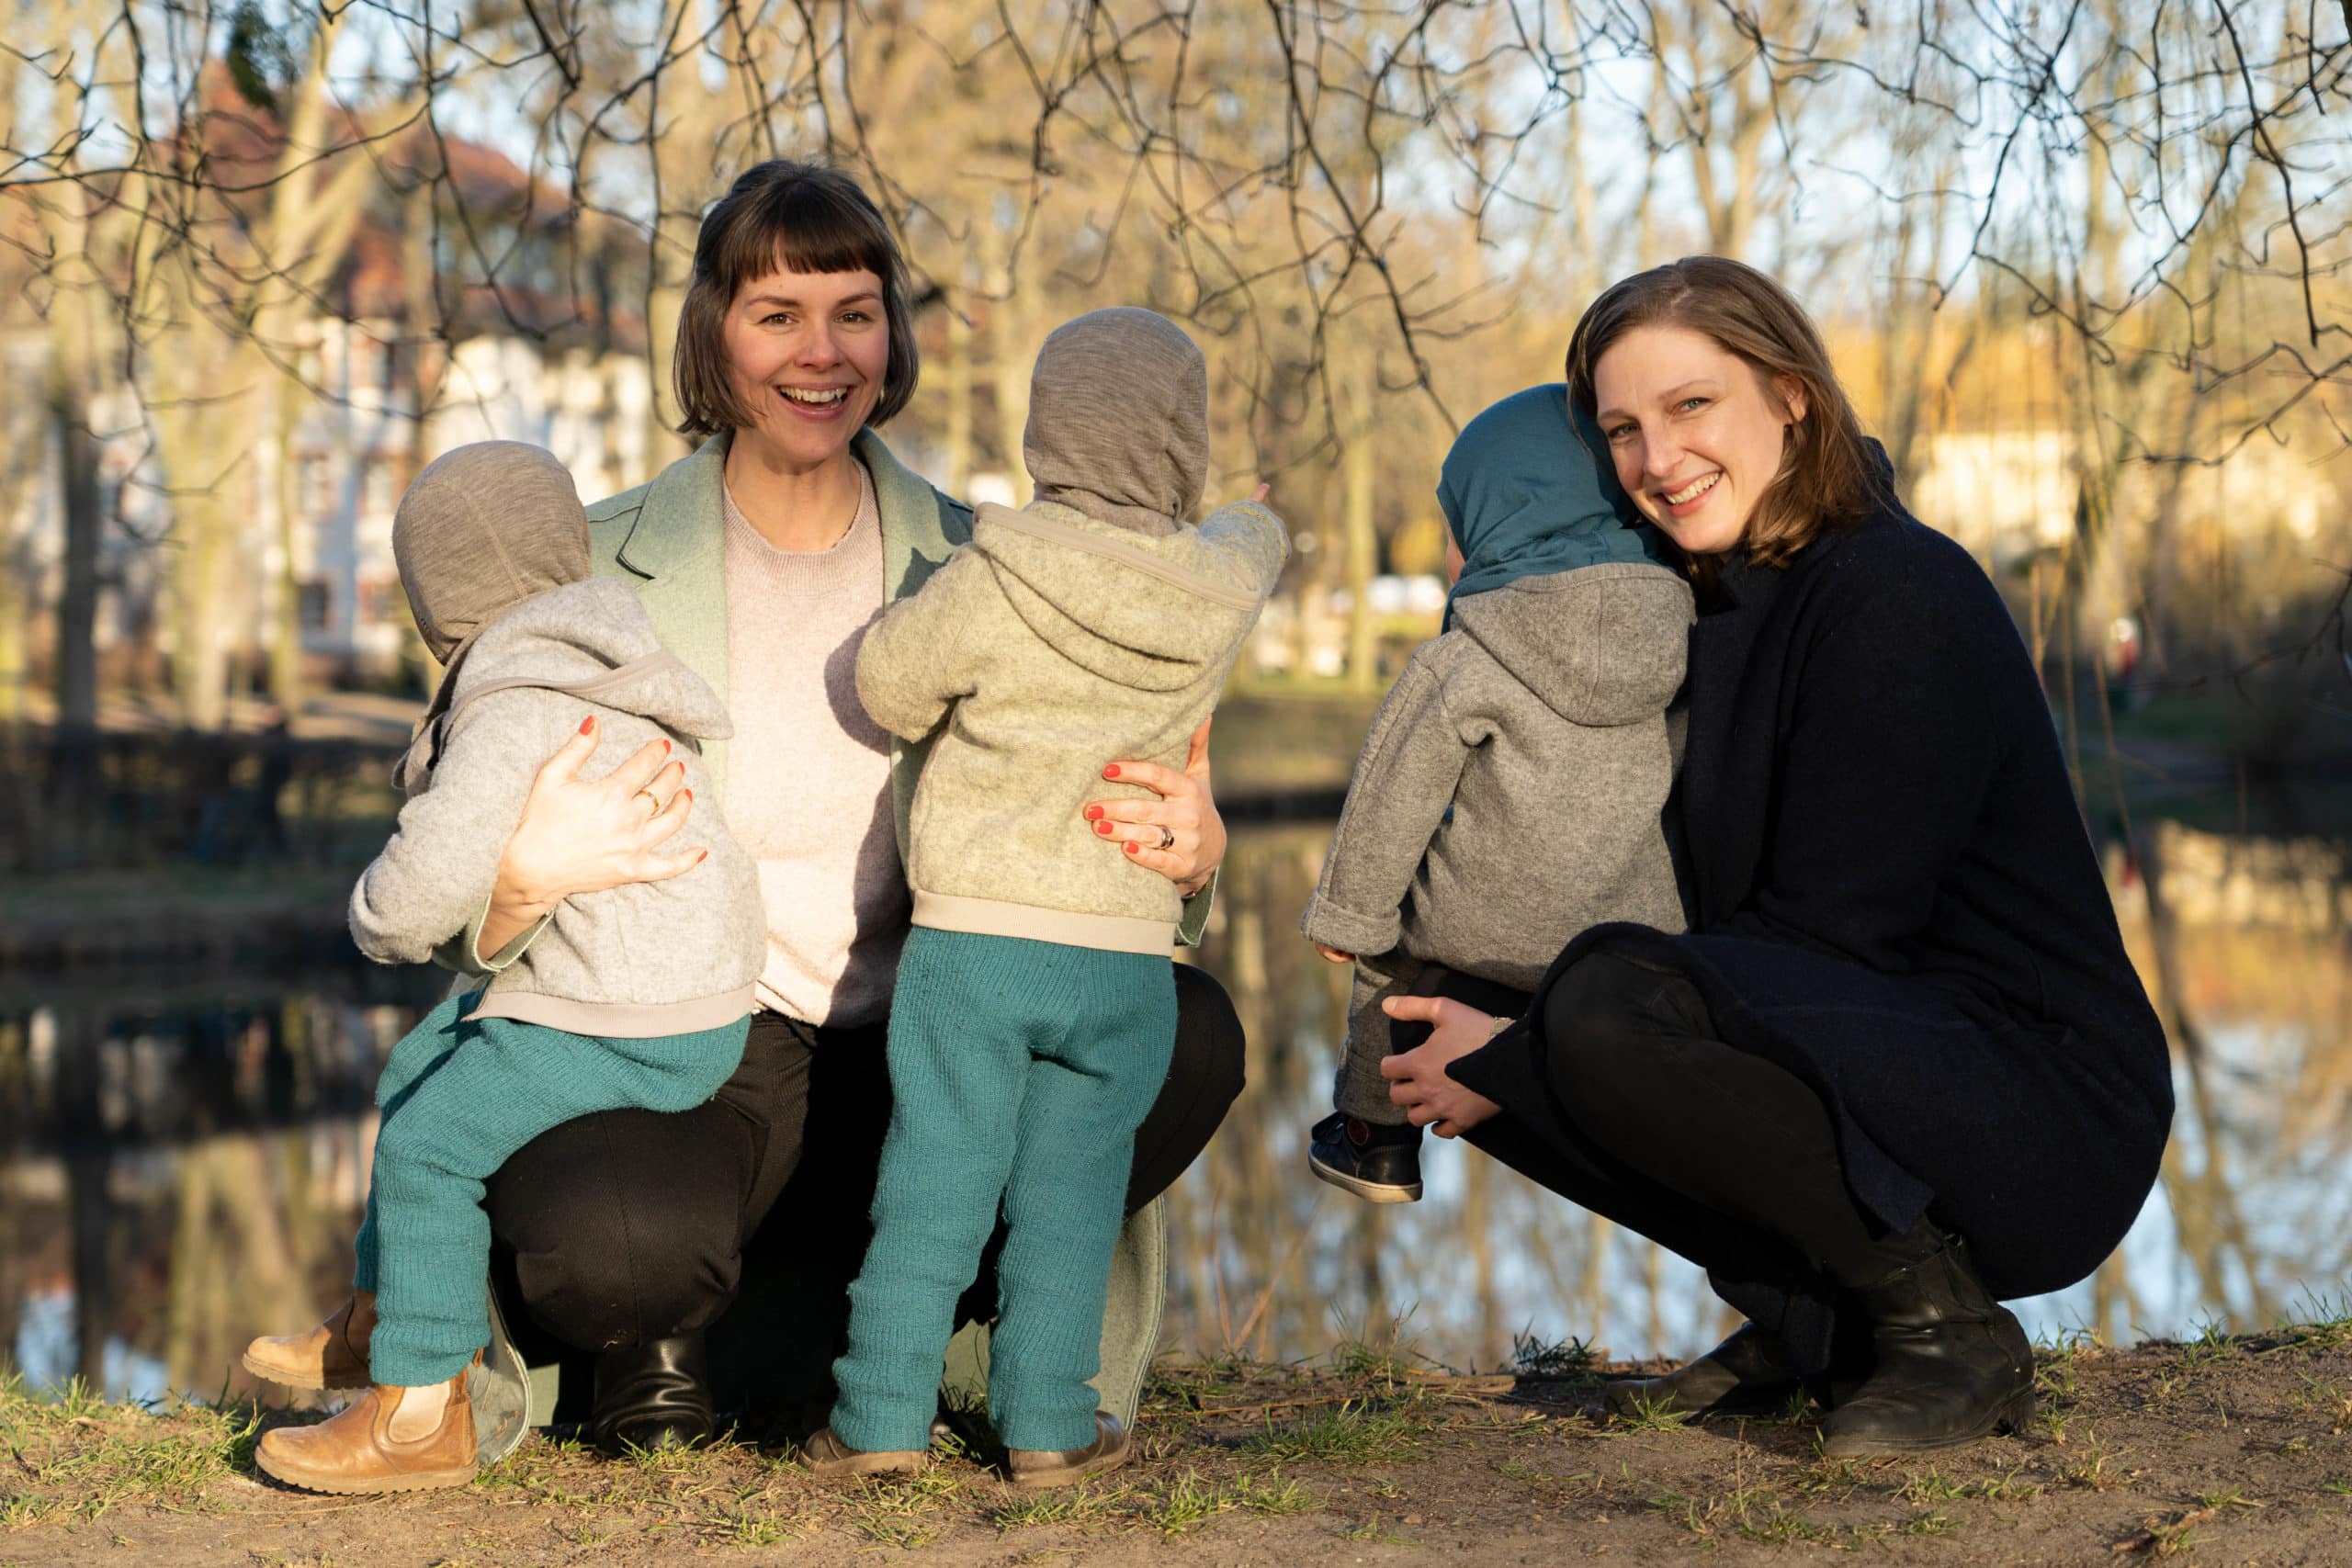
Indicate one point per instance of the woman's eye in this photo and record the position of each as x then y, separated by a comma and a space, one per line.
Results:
774, 318
1688, 404
1620, 433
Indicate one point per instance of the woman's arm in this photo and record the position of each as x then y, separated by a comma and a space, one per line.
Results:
577, 836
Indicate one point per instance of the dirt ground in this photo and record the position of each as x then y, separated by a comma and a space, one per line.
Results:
2221, 1452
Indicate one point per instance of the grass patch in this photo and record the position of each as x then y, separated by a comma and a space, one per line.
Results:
79, 1457
1551, 1360
1354, 1432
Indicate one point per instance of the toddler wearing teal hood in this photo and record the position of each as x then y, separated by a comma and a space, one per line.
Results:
1512, 790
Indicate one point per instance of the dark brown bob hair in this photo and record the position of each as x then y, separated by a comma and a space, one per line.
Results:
784, 214
1827, 478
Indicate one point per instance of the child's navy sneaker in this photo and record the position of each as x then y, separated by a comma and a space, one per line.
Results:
1380, 1164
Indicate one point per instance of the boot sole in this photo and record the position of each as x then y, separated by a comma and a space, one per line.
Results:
285, 1378
1070, 1474
859, 1467
1370, 1191
2013, 1417
341, 1486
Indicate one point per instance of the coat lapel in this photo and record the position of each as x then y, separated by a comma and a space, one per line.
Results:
677, 546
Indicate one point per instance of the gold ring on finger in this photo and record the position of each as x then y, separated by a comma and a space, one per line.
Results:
1166, 837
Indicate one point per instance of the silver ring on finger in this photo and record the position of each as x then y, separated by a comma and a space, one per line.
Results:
1166, 837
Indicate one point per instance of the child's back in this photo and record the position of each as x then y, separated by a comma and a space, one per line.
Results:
1514, 785
640, 959
1059, 639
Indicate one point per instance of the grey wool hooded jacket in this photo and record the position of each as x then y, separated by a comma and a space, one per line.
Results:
484, 546
1511, 792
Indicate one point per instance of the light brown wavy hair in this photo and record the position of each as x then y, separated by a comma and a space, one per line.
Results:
784, 214
1826, 479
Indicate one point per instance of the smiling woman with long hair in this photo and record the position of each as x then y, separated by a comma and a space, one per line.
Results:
1900, 1067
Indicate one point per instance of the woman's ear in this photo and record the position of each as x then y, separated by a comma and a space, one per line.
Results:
1792, 395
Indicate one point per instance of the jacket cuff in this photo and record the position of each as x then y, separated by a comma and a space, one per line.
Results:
462, 952
1193, 919
1347, 930
1504, 1070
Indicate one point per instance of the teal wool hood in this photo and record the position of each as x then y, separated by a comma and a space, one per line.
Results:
1528, 491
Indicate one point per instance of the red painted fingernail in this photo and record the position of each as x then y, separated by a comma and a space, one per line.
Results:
1112, 772
690, 800
665, 747
1131, 846
1101, 827
588, 724
702, 857
1095, 814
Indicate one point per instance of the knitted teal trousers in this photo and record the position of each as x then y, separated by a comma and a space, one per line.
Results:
457, 1098
1019, 1072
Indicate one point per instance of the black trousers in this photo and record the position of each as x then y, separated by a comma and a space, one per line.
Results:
1645, 1117
748, 1214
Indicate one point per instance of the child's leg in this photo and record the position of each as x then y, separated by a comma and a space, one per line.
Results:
1086, 1092
420, 1051
959, 1048
1358, 1089
501, 1084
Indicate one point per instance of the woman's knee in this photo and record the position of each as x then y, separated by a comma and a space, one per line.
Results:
1601, 1019
612, 1250
1212, 1052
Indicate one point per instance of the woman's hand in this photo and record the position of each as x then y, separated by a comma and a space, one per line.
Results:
579, 836
1179, 835
1417, 1079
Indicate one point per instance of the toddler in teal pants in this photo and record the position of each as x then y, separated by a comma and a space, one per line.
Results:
1036, 1007
637, 996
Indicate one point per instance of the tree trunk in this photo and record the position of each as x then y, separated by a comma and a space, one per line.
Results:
1356, 369
77, 603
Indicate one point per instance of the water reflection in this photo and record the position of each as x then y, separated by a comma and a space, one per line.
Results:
182, 1158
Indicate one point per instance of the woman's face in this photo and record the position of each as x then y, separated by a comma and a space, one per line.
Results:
1696, 431
806, 352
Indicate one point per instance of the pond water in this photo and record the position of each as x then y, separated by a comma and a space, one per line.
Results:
183, 1156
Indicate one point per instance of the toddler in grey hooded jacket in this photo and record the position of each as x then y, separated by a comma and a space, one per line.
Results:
638, 996
1512, 790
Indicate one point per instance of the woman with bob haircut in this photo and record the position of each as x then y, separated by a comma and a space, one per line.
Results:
762, 558
1900, 1067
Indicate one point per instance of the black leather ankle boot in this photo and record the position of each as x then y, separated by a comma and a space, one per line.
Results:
1738, 1377
1951, 1364
654, 1395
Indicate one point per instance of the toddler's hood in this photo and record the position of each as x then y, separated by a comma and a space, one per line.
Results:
1150, 614
481, 529
1600, 645
590, 640
1119, 420
1529, 489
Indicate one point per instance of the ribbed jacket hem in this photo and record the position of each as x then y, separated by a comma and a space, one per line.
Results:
995, 917
618, 1020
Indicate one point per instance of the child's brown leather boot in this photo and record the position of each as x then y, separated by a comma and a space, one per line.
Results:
356, 1452
333, 1354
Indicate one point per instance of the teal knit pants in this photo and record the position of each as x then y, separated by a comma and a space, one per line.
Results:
1019, 1072
457, 1098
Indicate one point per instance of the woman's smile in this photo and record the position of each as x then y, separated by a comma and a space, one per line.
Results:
1696, 433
